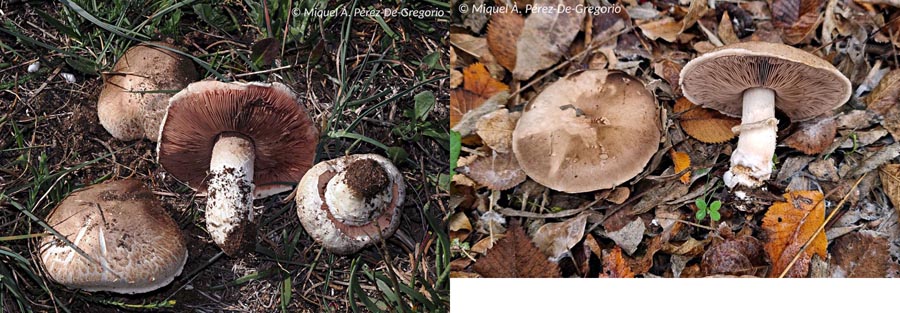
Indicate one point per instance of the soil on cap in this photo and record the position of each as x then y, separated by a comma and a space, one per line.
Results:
366, 178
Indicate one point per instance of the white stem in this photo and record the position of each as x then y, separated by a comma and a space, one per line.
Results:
751, 162
229, 204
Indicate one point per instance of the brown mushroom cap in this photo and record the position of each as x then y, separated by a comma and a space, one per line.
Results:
124, 109
317, 191
804, 84
269, 115
590, 130
124, 229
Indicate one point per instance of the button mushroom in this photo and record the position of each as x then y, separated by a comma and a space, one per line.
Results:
132, 245
237, 142
749, 80
137, 91
588, 131
350, 202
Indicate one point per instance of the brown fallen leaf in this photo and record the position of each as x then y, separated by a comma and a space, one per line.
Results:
726, 30
666, 28
502, 35
703, 124
546, 36
813, 136
890, 180
459, 226
788, 225
798, 19
619, 195
604, 26
862, 254
555, 239
885, 96
630, 236
614, 265
499, 171
734, 256
486, 243
670, 71
682, 162
515, 256
495, 130
478, 86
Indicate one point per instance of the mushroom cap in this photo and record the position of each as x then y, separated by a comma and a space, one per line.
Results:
588, 131
315, 192
268, 114
805, 85
135, 246
123, 109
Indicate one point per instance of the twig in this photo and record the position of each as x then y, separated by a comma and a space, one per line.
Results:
821, 227
560, 214
264, 71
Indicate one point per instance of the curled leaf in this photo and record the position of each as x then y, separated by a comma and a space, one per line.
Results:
704, 124
555, 239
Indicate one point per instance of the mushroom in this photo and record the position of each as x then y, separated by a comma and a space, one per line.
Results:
588, 131
350, 202
749, 80
136, 92
251, 140
131, 244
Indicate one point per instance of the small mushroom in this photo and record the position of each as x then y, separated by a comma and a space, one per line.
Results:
350, 202
134, 247
749, 80
588, 131
137, 91
237, 142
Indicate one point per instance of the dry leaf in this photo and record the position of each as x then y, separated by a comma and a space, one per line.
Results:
682, 162
474, 19
695, 12
703, 124
459, 226
478, 86
604, 26
628, 237
495, 130
469, 44
619, 195
666, 28
734, 256
546, 36
798, 19
502, 35
824, 170
813, 136
486, 243
614, 265
726, 30
555, 239
500, 171
885, 96
515, 256
862, 254
670, 71
890, 180
788, 225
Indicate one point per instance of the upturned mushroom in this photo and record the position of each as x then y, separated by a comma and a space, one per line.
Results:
749, 80
131, 244
350, 202
137, 91
236, 142
588, 131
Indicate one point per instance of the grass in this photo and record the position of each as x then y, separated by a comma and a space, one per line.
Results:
372, 84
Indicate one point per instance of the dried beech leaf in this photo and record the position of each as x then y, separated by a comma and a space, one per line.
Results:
735, 256
478, 86
555, 239
682, 162
666, 28
515, 256
614, 265
495, 129
502, 35
862, 254
704, 124
500, 171
813, 136
788, 225
726, 30
546, 36
886, 95
890, 180
459, 226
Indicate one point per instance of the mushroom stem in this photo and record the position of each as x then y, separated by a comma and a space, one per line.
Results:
229, 204
751, 162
